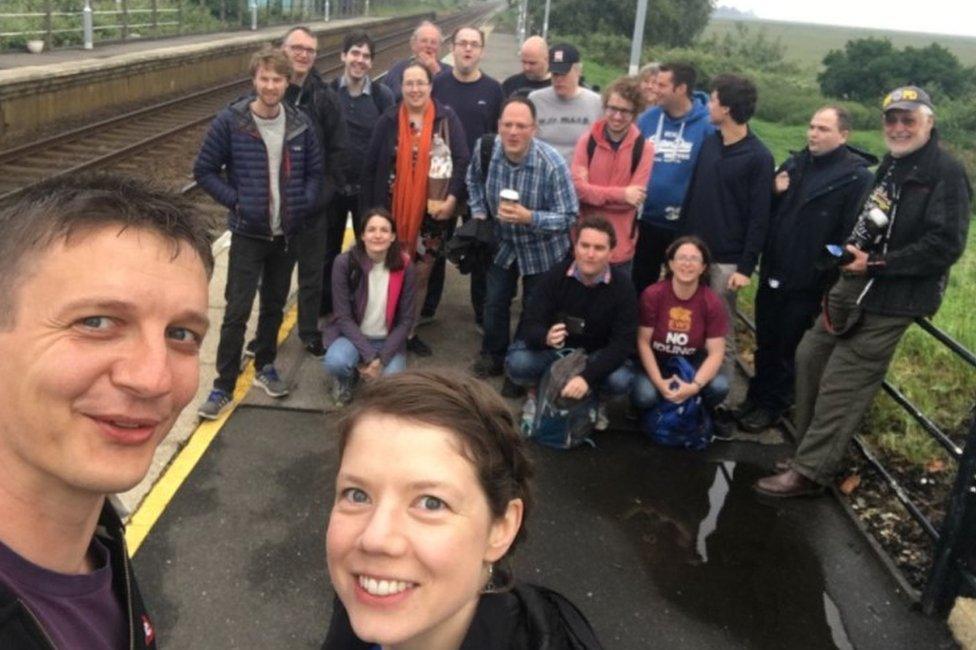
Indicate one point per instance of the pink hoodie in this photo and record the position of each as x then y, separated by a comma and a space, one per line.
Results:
600, 183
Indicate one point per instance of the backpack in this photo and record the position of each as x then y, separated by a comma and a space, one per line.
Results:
560, 423
635, 153
685, 425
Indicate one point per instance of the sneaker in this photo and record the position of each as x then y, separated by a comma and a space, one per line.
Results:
250, 348
315, 348
488, 366
723, 429
269, 380
528, 415
512, 390
602, 420
215, 405
418, 347
341, 393
758, 420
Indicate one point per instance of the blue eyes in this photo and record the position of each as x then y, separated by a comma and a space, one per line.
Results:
96, 322
355, 495
430, 503
426, 503
106, 324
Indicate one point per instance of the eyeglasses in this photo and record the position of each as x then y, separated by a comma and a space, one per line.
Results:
619, 110
694, 259
415, 84
298, 49
909, 120
463, 44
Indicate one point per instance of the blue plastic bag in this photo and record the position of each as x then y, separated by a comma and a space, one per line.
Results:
685, 425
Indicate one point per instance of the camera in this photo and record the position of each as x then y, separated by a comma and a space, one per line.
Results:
867, 235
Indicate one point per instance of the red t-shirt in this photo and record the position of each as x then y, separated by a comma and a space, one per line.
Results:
681, 327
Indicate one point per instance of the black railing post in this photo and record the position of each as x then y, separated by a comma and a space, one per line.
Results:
958, 533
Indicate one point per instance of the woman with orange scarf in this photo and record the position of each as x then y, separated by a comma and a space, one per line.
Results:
415, 166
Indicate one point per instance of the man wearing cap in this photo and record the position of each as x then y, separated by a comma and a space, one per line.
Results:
566, 110
911, 229
535, 69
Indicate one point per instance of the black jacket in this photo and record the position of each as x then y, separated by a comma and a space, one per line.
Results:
20, 629
526, 618
379, 167
926, 235
321, 104
609, 312
819, 208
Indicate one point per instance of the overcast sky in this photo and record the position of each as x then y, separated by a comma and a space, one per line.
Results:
937, 16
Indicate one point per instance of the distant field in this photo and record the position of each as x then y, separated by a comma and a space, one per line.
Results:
808, 43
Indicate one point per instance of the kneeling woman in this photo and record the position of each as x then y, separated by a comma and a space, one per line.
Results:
682, 316
373, 307
431, 496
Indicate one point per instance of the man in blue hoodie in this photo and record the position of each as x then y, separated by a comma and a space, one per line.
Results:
678, 125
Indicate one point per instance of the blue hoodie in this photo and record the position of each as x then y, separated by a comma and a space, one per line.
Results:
676, 146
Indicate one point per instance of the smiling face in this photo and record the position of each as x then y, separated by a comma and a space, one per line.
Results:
357, 61
301, 49
648, 87
619, 113
906, 131
100, 359
269, 86
377, 236
416, 88
411, 534
688, 264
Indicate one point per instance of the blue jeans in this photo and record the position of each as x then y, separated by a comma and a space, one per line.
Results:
342, 358
525, 367
645, 395
500, 289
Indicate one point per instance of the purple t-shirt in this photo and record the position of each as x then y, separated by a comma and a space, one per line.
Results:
76, 611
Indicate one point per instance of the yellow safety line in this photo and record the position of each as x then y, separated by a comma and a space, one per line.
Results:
163, 491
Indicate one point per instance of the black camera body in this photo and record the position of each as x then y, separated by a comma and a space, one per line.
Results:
868, 234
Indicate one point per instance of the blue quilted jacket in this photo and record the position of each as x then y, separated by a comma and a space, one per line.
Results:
234, 143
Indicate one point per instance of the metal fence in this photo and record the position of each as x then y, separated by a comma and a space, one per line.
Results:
953, 570
73, 23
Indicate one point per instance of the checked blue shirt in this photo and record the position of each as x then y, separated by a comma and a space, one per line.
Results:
545, 187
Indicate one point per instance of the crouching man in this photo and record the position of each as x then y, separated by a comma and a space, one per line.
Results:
582, 303
103, 305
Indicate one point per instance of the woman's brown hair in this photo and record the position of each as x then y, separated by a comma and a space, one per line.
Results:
702, 248
394, 256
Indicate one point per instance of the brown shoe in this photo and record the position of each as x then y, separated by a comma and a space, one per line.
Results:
783, 464
787, 484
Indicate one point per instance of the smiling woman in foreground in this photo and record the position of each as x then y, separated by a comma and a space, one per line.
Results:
431, 497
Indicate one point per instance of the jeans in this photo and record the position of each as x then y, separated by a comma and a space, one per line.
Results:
310, 248
645, 395
335, 232
525, 367
342, 358
500, 289
252, 260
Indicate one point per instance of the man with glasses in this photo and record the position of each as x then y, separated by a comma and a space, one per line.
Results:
612, 166
425, 43
309, 92
566, 110
894, 268
477, 100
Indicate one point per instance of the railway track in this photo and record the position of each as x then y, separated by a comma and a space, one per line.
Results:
127, 138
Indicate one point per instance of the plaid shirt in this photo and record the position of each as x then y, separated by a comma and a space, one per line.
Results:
545, 187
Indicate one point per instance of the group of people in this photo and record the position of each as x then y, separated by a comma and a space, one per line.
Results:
104, 306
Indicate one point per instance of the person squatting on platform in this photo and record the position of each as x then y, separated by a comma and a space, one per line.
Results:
103, 308
612, 167
261, 160
374, 285
534, 217
584, 303
893, 268
433, 492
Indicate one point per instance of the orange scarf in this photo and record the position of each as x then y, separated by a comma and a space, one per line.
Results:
410, 182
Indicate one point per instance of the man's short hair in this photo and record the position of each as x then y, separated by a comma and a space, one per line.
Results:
425, 23
358, 38
681, 73
518, 99
481, 33
61, 208
596, 222
299, 28
270, 57
629, 90
738, 94
844, 120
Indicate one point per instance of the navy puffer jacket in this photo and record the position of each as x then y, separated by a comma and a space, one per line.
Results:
235, 142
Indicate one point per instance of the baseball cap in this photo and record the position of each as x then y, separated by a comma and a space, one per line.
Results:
562, 57
906, 98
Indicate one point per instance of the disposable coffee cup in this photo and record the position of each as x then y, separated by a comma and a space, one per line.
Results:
509, 195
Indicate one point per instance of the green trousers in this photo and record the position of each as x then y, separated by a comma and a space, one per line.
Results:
836, 380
